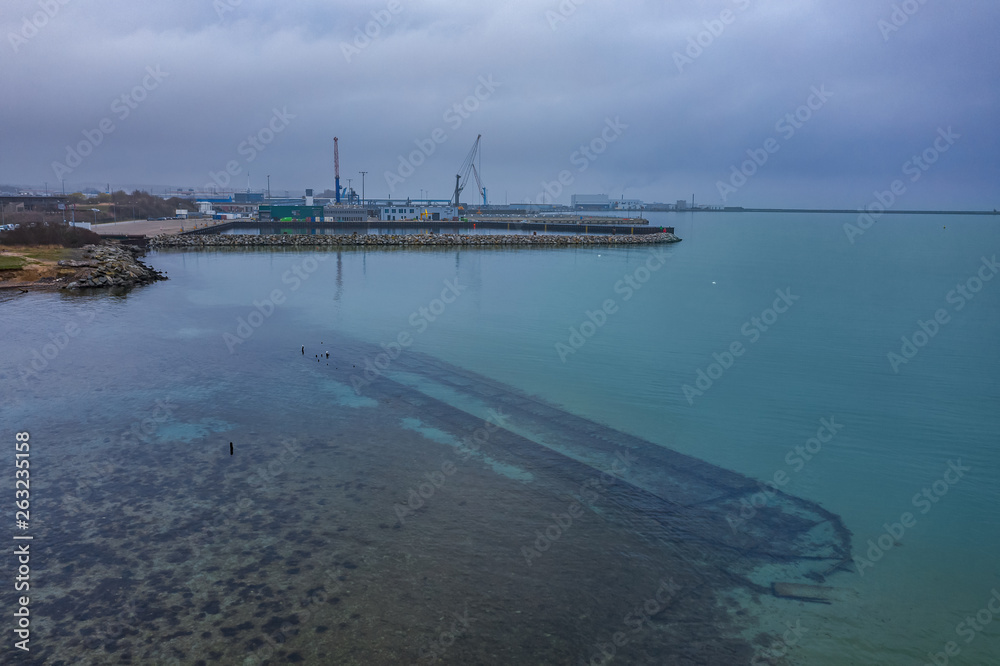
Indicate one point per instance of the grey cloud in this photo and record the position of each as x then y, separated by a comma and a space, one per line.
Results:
686, 128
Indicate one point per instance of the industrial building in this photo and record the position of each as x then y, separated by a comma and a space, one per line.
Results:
296, 213
411, 211
315, 213
33, 202
309, 209
344, 214
590, 202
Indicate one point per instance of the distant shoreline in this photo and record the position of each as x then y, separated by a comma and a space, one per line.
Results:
831, 210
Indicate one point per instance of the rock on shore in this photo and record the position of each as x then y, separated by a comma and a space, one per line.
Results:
110, 266
475, 240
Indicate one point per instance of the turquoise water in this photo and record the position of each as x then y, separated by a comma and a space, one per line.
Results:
121, 518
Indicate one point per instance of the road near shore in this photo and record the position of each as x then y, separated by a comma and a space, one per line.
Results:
147, 227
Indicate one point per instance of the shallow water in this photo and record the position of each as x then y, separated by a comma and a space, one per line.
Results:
161, 546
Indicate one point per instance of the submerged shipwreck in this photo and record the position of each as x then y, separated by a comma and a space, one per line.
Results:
427, 513
755, 536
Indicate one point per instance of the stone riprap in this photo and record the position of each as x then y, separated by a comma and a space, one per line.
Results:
418, 240
110, 266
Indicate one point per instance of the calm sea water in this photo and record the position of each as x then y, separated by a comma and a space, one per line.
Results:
312, 541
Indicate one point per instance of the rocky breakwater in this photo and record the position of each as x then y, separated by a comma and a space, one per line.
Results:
110, 266
414, 240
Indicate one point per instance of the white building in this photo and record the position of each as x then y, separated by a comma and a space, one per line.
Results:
334, 213
590, 202
396, 212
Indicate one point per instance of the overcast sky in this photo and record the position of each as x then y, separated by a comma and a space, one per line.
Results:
666, 97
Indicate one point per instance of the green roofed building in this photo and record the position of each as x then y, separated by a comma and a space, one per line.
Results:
269, 213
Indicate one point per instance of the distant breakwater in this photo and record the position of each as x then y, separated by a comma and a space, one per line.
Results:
417, 240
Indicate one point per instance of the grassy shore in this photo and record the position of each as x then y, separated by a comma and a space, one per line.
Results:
22, 267
11, 262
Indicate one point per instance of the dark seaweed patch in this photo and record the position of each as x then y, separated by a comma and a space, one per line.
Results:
277, 622
228, 632
178, 634
254, 644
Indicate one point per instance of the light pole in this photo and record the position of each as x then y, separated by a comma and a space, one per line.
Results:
363, 191
95, 215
